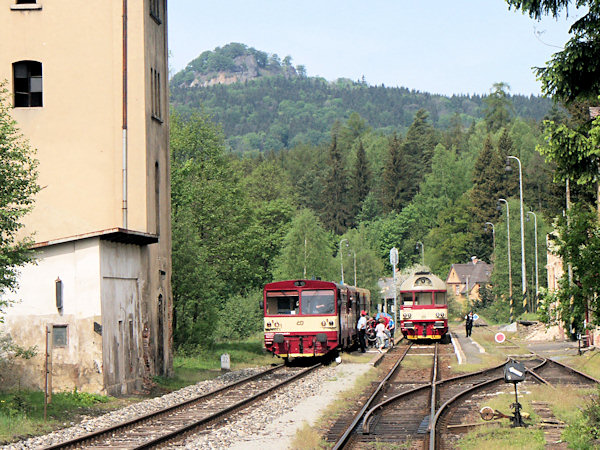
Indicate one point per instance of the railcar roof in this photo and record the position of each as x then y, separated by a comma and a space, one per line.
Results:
412, 283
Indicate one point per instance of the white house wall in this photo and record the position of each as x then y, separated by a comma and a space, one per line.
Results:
79, 363
122, 285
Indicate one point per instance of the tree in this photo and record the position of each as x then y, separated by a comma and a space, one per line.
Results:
394, 190
498, 108
360, 185
418, 146
335, 211
574, 72
306, 251
488, 184
510, 182
578, 241
18, 186
213, 230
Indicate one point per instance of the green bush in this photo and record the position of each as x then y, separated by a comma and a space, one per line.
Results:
83, 398
584, 433
240, 318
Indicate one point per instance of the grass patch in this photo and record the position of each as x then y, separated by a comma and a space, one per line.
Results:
307, 438
22, 412
588, 363
565, 402
503, 437
361, 358
411, 362
192, 368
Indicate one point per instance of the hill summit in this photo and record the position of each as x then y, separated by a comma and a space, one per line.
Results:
234, 63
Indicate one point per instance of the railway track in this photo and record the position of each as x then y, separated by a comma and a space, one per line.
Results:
430, 412
175, 423
399, 409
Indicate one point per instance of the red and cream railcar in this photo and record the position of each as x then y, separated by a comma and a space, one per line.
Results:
423, 309
305, 318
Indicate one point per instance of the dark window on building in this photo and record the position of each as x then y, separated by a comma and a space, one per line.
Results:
155, 10
59, 335
155, 94
27, 82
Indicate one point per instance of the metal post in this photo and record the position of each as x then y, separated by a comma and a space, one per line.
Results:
419, 243
493, 235
394, 262
342, 259
510, 295
355, 269
536, 259
523, 272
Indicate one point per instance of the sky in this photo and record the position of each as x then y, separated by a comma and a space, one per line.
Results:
437, 46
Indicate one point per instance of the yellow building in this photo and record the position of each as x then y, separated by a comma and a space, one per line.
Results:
465, 280
89, 85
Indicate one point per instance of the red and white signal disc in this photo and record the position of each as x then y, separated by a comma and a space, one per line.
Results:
499, 338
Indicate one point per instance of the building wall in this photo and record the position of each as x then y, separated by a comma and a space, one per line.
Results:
122, 267
89, 120
79, 363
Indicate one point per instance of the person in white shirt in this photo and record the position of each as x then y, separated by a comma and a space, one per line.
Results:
381, 335
361, 326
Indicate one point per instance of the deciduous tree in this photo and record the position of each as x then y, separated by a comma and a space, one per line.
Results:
18, 186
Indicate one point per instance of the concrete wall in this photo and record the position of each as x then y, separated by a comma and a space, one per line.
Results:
79, 363
123, 277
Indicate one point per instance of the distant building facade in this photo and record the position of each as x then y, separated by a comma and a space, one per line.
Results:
89, 85
465, 280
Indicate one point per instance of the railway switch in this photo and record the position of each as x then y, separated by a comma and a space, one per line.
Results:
514, 372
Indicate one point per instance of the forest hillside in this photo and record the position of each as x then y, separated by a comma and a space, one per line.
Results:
265, 103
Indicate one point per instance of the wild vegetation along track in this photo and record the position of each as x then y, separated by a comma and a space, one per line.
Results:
400, 412
459, 403
178, 421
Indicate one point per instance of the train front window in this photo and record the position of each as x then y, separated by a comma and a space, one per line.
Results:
407, 299
423, 298
282, 302
318, 302
440, 298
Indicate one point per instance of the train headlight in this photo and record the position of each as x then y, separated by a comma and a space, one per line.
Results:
269, 324
406, 315
440, 315
324, 323
331, 323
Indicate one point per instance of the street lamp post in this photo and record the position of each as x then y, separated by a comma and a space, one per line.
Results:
523, 272
536, 255
419, 243
510, 296
394, 263
354, 268
342, 258
493, 234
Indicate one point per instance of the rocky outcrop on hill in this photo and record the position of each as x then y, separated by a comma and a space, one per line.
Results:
248, 69
233, 63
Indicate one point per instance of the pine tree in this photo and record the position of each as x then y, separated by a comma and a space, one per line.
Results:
394, 195
336, 212
511, 179
361, 181
488, 187
418, 147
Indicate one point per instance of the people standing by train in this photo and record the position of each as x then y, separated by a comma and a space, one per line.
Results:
381, 336
469, 323
391, 326
361, 326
